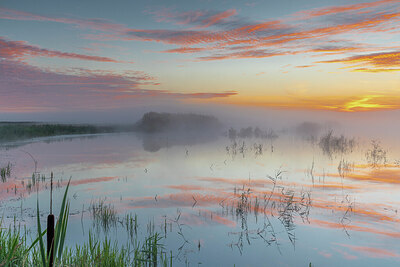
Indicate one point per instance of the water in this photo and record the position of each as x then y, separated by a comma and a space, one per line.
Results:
287, 203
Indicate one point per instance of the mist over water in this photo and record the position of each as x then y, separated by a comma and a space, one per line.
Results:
369, 122
288, 187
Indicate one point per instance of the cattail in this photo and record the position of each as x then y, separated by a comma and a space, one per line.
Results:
50, 226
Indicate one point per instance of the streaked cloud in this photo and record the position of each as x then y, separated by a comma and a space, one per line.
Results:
21, 50
199, 19
374, 70
31, 88
376, 62
93, 24
341, 9
250, 39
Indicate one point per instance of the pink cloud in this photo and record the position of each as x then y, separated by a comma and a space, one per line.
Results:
200, 18
217, 18
28, 88
185, 50
21, 50
94, 24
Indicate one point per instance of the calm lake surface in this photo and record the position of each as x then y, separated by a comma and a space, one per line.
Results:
284, 203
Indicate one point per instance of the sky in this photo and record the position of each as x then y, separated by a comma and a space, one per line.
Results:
105, 56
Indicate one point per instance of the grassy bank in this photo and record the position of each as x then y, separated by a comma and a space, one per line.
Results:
17, 131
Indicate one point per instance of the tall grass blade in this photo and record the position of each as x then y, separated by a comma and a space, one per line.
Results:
61, 226
41, 244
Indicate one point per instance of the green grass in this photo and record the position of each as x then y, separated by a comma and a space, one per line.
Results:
12, 248
15, 250
106, 253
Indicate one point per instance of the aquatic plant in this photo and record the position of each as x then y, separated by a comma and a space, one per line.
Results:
345, 168
5, 172
376, 155
331, 144
103, 214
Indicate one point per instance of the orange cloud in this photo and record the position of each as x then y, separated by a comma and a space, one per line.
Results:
381, 62
374, 70
340, 9
185, 50
363, 25
305, 66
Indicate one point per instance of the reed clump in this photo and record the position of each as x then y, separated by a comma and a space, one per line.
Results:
103, 214
331, 144
376, 155
5, 172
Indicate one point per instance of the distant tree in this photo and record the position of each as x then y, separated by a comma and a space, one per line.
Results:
308, 129
246, 132
232, 133
257, 132
154, 122
270, 134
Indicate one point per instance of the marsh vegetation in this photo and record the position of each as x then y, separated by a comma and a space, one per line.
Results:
333, 145
250, 193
